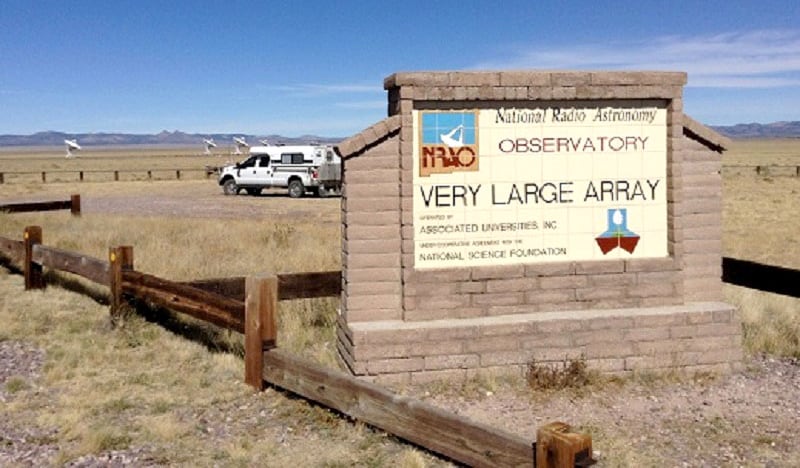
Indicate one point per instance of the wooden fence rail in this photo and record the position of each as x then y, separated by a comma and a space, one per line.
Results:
764, 169
115, 173
73, 205
249, 305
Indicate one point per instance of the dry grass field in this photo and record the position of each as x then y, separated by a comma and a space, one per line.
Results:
87, 394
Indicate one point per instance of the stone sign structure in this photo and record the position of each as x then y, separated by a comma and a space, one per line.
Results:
495, 218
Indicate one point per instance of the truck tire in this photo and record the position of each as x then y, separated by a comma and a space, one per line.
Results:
296, 189
254, 191
229, 187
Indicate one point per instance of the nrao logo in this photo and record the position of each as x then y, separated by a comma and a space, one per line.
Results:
448, 143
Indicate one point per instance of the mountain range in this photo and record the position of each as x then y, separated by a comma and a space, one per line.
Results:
53, 138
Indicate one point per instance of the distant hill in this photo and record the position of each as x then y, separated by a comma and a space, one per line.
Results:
52, 138
757, 130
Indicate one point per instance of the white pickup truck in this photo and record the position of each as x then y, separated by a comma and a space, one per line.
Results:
298, 168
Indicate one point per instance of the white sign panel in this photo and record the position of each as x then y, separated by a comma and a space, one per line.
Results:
543, 184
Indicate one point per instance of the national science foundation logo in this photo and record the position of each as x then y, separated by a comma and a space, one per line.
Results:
617, 234
448, 143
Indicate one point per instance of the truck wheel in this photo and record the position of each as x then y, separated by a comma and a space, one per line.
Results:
296, 189
230, 187
322, 192
254, 191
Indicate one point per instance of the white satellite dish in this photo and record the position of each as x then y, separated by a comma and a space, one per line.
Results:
264, 142
240, 143
209, 142
71, 145
449, 139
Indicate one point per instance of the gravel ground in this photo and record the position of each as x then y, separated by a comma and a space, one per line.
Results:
748, 418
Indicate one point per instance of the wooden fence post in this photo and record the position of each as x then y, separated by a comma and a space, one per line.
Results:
260, 329
33, 271
75, 204
44, 177
558, 447
2, 178
178, 174
120, 258
80, 175
149, 175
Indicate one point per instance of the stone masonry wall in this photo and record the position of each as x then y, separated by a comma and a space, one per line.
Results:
401, 324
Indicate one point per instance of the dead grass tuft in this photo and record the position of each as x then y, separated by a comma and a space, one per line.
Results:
569, 373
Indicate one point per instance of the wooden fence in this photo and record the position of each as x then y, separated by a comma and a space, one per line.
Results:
249, 305
112, 174
73, 205
766, 170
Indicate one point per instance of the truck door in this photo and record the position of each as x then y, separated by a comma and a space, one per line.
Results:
256, 172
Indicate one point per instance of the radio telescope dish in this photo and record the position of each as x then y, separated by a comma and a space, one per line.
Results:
209, 143
264, 142
71, 145
240, 143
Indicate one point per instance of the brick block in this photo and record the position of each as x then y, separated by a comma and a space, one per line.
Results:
357, 275
647, 334
493, 272
550, 269
504, 358
471, 287
563, 282
492, 343
371, 288
375, 260
540, 92
582, 338
383, 366
452, 361
365, 232
427, 349
451, 334
385, 218
510, 298
510, 285
430, 289
381, 351
652, 290
550, 296
359, 176
371, 315
370, 204
559, 326
554, 355
594, 293
524, 78
609, 350
683, 331
423, 313
371, 246
570, 79
650, 264
601, 266
659, 320
612, 279
372, 190
565, 92
497, 310
474, 79
374, 301
554, 340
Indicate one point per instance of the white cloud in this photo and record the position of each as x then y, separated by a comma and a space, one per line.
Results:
750, 59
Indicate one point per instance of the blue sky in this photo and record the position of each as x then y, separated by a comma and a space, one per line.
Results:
296, 67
